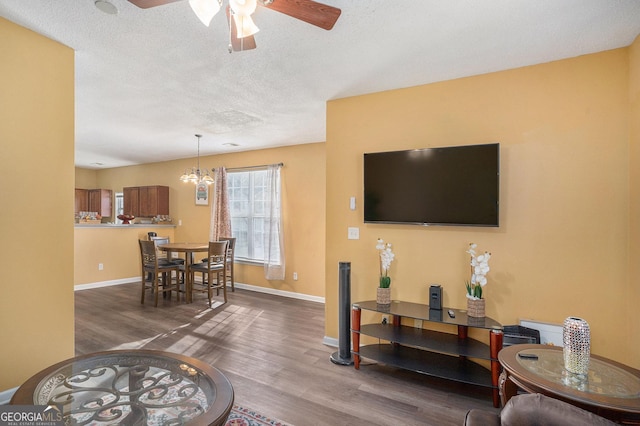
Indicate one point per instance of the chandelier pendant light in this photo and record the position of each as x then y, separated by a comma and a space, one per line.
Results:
197, 175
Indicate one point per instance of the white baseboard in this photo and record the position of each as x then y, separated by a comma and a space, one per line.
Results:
105, 283
249, 287
282, 293
330, 341
5, 396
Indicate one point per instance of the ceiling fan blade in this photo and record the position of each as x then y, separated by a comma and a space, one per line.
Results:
239, 44
145, 4
309, 11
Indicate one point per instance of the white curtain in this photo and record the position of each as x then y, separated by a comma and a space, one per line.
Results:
273, 232
220, 225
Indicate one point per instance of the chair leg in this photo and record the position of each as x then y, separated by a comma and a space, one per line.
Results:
224, 285
143, 288
155, 286
209, 289
233, 280
177, 285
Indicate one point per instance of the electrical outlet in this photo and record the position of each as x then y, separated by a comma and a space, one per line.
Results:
100, 266
353, 233
385, 319
417, 323
295, 276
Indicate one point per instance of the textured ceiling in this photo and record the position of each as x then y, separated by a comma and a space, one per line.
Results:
147, 80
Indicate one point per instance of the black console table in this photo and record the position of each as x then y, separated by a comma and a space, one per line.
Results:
429, 352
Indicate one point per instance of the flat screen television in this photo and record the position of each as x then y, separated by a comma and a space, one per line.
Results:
457, 185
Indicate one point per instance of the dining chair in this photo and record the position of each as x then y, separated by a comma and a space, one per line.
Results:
150, 265
163, 256
215, 267
231, 248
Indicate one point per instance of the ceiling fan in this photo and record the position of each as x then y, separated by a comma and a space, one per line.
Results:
242, 27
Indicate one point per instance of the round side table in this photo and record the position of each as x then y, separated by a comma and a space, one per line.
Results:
132, 387
610, 389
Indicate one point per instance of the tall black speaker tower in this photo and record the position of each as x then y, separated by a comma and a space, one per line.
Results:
343, 356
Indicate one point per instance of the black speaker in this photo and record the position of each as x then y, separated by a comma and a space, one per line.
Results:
435, 297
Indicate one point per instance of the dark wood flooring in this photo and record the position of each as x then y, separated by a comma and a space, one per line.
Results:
271, 350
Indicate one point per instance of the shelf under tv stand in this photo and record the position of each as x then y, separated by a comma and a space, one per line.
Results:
434, 353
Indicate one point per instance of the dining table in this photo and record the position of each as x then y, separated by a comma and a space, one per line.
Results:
188, 249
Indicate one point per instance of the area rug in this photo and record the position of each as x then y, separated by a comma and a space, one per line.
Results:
241, 416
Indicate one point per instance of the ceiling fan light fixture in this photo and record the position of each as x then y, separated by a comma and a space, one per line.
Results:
243, 7
205, 10
242, 11
245, 26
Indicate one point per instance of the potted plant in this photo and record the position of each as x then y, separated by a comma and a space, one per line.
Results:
479, 269
383, 296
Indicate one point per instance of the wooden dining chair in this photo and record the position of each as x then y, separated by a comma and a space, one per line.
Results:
231, 248
214, 268
150, 265
163, 256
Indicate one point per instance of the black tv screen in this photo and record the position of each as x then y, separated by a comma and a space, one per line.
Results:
457, 185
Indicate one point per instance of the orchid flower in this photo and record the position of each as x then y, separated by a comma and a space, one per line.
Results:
479, 270
386, 257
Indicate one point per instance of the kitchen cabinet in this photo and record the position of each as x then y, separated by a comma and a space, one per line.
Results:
100, 201
146, 201
131, 203
81, 200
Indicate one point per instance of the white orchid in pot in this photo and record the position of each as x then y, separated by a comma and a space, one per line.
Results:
386, 257
383, 294
479, 270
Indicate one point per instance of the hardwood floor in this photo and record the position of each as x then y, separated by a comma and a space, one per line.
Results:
271, 350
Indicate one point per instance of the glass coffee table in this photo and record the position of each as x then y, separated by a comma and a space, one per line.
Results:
610, 389
132, 387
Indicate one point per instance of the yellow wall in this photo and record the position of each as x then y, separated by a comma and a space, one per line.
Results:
116, 249
633, 291
36, 210
303, 198
87, 179
562, 247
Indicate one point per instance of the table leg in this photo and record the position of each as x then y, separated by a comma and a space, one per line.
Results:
495, 345
188, 260
355, 324
507, 388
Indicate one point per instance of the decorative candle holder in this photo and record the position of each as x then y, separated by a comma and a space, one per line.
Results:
576, 338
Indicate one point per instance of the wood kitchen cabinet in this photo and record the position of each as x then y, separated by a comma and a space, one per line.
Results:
146, 201
100, 201
131, 201
154, 201
81, 200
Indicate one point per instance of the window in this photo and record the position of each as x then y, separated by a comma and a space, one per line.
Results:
249, 208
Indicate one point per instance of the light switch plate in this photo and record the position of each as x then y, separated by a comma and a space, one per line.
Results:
353, 233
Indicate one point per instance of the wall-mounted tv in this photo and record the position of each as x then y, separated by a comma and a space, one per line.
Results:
457, 185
